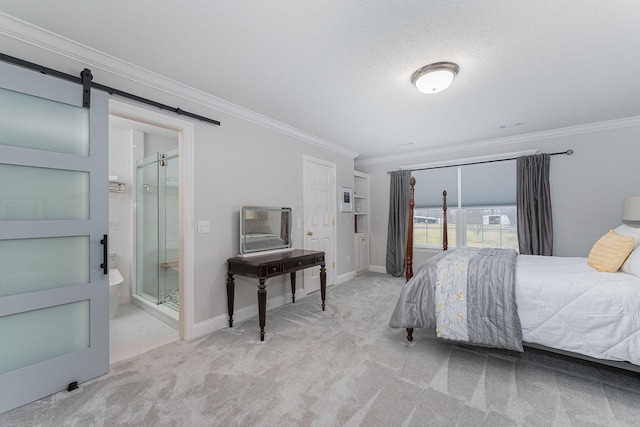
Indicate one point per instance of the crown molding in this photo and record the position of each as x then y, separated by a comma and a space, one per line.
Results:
39, 37
472, 160
507, 140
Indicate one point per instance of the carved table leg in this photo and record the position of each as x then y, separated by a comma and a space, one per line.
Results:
323, 284
410, 334
262, 305
293, 287
230, 295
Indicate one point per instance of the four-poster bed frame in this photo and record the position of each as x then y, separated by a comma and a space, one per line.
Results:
445, 238
409, 274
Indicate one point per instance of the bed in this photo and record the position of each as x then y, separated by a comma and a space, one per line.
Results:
558, 304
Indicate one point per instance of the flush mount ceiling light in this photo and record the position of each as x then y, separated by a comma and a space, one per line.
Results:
434, 78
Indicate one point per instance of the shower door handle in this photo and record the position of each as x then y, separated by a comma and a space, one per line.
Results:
105, 254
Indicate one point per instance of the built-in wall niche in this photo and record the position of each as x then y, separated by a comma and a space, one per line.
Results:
361, 202
361, 221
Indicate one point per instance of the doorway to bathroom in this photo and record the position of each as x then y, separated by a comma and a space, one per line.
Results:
156, 154
143, 237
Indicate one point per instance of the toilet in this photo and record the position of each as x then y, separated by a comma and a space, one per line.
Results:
115, 286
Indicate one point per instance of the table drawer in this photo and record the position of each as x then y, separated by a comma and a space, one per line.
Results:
273, 269
301, 263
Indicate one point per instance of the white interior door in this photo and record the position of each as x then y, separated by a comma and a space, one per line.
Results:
319, 221
54, 303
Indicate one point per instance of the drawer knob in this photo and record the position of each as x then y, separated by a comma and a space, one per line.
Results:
299, 262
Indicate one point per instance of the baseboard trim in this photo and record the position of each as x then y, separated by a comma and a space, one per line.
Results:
202, 329
346, 277
378, 269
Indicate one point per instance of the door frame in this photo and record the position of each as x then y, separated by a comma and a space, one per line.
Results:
333, 197
185, 131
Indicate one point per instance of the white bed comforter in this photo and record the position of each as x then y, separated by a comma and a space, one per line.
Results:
566, 304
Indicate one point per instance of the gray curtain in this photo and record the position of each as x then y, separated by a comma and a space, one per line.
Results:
535, 224
398, 222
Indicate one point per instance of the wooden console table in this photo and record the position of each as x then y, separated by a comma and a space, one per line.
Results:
264, 267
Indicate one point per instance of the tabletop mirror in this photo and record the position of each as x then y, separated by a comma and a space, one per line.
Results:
264, 229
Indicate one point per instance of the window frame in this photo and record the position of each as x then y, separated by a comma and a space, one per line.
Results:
440, 217
460, 225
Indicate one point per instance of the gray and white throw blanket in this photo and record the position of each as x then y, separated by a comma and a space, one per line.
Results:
467, 295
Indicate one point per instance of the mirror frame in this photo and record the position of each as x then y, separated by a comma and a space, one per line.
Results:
243, 227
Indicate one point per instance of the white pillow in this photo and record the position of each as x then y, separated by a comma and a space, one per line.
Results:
634, 232
632, 264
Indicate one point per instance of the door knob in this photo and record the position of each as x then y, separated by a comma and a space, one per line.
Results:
309, 233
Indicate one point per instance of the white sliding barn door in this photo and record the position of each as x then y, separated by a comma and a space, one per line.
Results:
319, 218
54, 302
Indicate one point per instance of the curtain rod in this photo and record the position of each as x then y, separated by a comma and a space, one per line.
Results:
85, 80
567, 152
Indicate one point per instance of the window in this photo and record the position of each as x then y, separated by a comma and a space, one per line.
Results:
491, 227
481, 206
427, 227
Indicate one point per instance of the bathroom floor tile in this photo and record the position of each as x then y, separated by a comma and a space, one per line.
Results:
134, 331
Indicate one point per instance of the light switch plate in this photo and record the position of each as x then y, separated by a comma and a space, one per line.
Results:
203, 226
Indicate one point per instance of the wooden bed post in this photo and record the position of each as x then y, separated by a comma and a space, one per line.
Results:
409, 255
408, 273
445, 236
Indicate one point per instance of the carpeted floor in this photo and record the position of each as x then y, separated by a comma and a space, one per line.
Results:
341, 367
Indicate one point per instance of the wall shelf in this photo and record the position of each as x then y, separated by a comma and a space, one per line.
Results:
117, 187
361, 220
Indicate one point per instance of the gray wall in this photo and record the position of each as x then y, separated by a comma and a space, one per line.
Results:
587, 188
237, 163
159, 144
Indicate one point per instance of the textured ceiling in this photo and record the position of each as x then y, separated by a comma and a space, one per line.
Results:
340, 69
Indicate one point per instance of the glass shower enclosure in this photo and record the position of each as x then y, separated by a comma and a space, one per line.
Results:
157, 229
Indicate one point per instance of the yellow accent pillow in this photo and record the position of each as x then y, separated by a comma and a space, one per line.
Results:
610, 251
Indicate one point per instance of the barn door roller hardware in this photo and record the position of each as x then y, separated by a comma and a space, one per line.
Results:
85, 80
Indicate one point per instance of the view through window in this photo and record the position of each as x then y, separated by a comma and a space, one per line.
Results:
481, 200
488, 227
491, 227
427, 227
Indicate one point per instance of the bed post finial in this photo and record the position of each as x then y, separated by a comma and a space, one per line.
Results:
408, 272
445, 237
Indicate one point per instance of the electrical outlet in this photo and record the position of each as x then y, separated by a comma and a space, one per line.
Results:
114, 225
348, 259
203, 227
